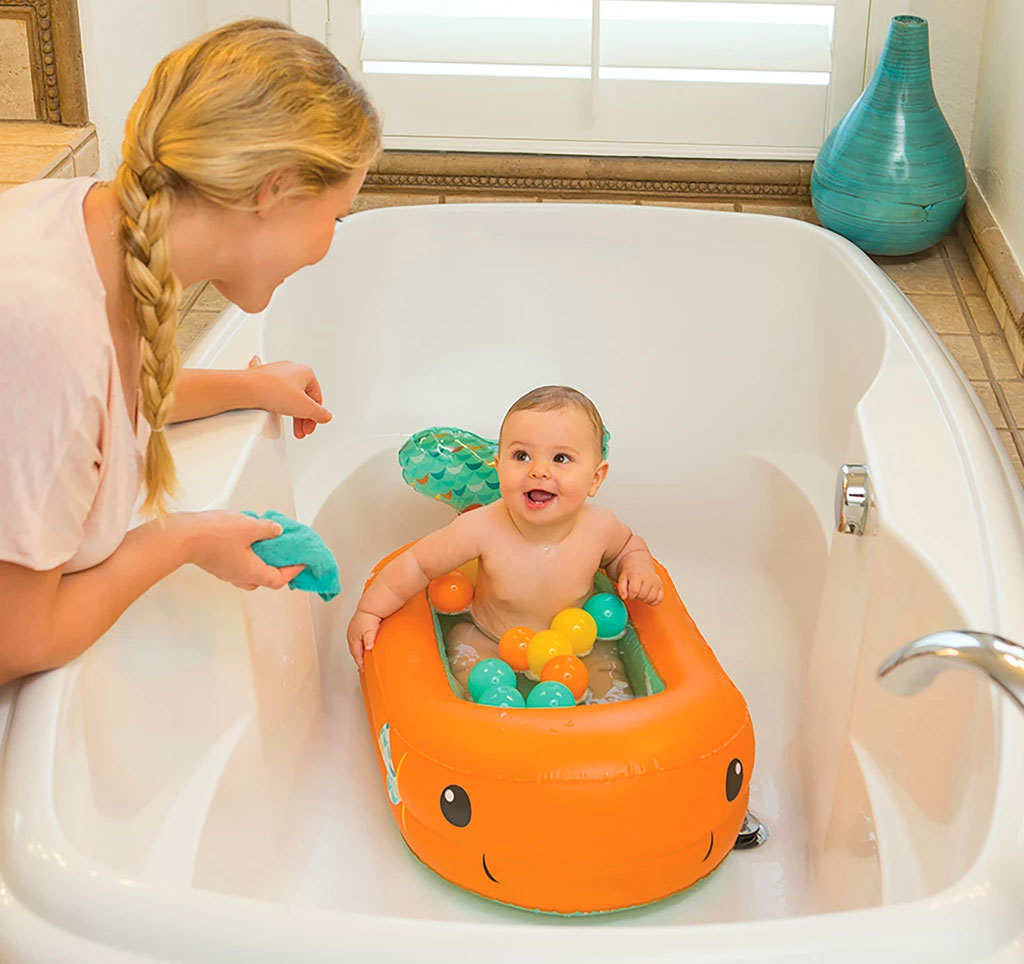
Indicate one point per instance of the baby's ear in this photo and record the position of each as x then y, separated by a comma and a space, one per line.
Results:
600, 473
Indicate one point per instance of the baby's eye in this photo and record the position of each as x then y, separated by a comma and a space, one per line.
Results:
520, 456
562, 458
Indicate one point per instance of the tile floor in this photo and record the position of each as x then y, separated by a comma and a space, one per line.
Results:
940, 282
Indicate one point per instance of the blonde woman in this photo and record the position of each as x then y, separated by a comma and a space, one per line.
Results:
241, 153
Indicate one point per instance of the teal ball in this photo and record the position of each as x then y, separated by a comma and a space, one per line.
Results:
488, 673
609, 613
550, 694
501, 696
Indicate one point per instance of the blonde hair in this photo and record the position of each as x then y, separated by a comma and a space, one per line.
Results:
550, 398
216, 119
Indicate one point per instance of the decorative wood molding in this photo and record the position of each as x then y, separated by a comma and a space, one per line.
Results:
583, 177
55, 57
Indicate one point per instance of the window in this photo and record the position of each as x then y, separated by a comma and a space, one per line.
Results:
724, 79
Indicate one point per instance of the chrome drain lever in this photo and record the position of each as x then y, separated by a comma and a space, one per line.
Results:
752, 834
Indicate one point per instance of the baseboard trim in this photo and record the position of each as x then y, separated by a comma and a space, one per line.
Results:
998, 272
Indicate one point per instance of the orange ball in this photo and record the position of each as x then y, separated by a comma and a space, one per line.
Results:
512, 647
451, 593
545, 645
570, 671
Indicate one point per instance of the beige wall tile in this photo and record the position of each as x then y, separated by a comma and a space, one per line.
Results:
696, 204
591, 200
995, 299
999, 357
966, 354
988, 398
42, 134
984, 320
1013, 392
16, 96
210, 299
191, 327
1016, 346
961, 264
64, 168
27, 163
923, 273
189, 295
492, 199
1011, 449
369, 201
942, 312
87, 157
801, 212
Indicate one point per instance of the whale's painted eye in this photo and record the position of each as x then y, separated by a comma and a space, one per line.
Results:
733, 779
455, 805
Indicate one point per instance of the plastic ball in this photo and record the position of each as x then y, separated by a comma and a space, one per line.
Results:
579, 626
512, 647
501, 696
550, 694
609, 613
570, 672
545, 645
451, 593
487, 674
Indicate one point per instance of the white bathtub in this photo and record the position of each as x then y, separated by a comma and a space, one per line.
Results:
202, 786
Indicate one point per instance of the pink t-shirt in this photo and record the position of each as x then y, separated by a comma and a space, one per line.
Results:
70, 458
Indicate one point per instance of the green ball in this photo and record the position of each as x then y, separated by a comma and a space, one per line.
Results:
550, 694
501, 696
488, 673
609, 613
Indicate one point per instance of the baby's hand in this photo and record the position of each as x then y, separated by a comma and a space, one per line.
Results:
643, 583
362, 631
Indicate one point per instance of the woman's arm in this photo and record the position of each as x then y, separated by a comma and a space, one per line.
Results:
282, 387
48, 618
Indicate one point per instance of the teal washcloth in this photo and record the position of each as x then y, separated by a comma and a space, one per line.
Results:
300, 545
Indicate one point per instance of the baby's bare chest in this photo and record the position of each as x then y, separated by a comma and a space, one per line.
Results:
538, 574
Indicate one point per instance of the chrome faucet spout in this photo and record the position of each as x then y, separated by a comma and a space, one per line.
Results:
912, 668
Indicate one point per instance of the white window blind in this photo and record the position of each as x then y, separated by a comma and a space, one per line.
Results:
729, 78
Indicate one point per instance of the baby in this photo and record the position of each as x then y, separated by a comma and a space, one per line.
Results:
538, 546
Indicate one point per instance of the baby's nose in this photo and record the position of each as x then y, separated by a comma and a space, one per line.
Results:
540, 468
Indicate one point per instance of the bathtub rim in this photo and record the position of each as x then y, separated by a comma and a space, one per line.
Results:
970, 906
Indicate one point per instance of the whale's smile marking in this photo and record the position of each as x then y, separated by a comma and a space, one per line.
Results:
486, 871
710, 847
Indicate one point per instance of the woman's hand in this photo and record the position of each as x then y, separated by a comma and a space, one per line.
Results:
362, 631
288, 388
220, 543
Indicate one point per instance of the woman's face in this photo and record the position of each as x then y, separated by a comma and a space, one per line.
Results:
283, 235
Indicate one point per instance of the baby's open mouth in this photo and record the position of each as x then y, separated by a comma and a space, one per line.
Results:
538, 497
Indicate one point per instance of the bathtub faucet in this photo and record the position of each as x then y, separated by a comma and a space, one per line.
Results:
911, 668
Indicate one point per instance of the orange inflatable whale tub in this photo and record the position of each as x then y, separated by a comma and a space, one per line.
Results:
568, 810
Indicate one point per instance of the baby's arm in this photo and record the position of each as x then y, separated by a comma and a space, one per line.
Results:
407, 574
628, 562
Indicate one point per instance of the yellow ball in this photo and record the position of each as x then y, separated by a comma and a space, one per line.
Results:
544, 646
578, 626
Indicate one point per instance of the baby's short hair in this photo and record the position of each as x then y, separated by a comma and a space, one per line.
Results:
550, 398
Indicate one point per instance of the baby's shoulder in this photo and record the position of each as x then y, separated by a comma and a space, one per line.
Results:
599, 520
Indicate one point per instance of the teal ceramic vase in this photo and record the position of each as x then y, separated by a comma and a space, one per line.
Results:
890, 175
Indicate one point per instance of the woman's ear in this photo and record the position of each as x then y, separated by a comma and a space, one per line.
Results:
269, 192
600, 474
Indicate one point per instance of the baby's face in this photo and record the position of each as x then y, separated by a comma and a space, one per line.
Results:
549, 463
